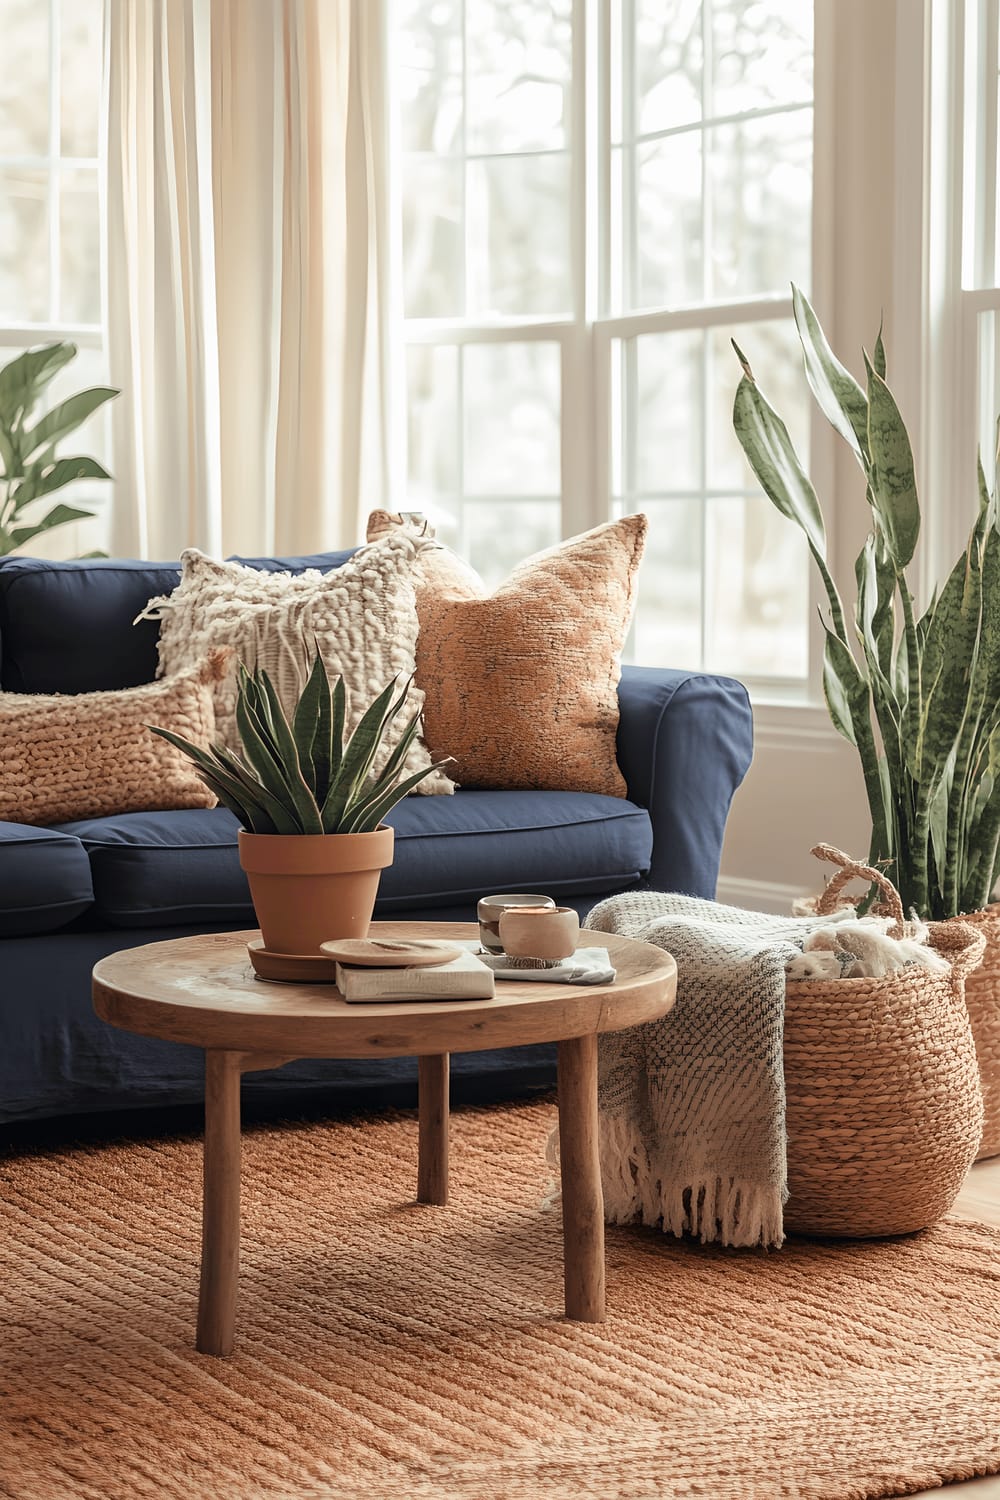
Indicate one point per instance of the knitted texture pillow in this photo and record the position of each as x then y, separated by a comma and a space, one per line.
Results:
520, 685
91, 754
361, 616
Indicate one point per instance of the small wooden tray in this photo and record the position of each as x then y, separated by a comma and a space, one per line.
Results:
390, 953
291, 968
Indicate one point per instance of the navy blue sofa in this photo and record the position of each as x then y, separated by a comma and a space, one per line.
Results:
71, 894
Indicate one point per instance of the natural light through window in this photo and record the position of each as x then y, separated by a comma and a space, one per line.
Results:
580, 241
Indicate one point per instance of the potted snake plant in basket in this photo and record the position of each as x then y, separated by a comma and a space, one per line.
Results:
311, 800
916, 693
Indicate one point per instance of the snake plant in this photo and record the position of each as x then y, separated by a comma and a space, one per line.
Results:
300, 775
917, 694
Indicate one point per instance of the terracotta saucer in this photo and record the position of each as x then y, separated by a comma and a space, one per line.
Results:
390, 953
291, 968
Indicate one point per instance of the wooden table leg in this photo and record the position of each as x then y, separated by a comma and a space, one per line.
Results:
220, 1219
580, 1169
432, 1168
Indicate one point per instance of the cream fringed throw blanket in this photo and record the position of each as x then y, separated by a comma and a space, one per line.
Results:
692, 1107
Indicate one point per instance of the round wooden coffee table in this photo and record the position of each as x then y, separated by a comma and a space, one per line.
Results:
203, 991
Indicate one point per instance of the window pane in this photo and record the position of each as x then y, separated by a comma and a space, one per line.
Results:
668, 421
667, 627
81, 61
24, 78
758, 595
433, 427
511, 419
760, 186
432, 238
519, 54
24, 246
669, 228
428, 41
761, 53
80, 248
519, 235
499, 535
989, 392
775, 356
668, 63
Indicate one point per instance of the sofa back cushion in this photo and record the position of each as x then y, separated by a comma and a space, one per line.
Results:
66, 627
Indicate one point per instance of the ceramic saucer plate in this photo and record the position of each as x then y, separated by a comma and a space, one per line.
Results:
390, 953
291, 968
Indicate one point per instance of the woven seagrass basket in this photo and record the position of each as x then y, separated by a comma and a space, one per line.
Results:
884, 1106
982, 999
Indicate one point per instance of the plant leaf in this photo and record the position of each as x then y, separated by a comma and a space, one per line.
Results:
838, 394
358, 755
891, 478
369, 815
24, 378
64, 418
288, 760
41, 479
59, 515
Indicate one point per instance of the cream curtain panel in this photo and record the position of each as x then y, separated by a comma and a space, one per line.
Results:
250, 290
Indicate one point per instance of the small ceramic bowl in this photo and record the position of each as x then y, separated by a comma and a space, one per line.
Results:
543, 935
489, 911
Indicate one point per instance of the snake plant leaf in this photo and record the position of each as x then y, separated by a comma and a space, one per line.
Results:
844, 686
226, 787
771, 454
288, 759
8, 459
892, 480
308, 729
267, 809
359, 753
949, 646
876, 583
262, 758
394, 765
369, 814
878, 353
838, 395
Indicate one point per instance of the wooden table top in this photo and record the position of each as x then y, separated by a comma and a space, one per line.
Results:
203, 991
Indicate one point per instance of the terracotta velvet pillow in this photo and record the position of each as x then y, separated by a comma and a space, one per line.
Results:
520, 685
90, 754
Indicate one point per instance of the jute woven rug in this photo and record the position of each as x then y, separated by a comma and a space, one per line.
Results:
387, 1349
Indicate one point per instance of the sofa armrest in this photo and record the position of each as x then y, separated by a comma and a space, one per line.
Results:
685, 742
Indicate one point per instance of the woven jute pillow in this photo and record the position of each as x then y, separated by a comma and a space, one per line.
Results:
361, 617
521, 685
92, 754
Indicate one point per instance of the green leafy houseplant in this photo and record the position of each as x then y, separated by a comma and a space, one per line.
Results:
918, 694
300, 776
29, 468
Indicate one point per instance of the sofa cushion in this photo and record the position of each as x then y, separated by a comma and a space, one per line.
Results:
520, 685
162, 869
86, 755
66, 627
44, 879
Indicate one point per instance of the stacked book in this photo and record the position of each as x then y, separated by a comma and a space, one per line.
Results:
462, 978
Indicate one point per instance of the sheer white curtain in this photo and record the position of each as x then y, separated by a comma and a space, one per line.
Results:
250, 286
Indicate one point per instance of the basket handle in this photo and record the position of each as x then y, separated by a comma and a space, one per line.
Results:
962, 945
852, 869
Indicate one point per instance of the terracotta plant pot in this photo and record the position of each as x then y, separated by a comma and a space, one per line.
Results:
310, 888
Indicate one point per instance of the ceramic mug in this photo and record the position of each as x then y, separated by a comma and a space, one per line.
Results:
539, 935
489, 911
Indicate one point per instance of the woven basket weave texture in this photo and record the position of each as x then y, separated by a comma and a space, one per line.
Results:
982, 999
884, 1106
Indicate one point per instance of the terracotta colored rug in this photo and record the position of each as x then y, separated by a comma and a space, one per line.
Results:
387, 1349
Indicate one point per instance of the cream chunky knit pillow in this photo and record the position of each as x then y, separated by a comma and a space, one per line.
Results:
91, 754
361, 616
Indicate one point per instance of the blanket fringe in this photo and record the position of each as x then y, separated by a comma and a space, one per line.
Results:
726, 1211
